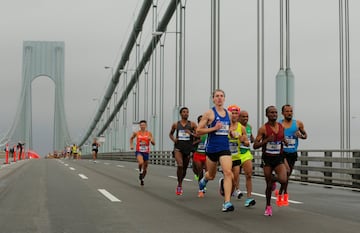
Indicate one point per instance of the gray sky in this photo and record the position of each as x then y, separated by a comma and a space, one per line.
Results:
95, 32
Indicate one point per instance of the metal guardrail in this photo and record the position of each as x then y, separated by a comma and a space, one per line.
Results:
329, 167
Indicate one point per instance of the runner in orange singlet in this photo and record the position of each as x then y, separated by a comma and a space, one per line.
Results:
143, 140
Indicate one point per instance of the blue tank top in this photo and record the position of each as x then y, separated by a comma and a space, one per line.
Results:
292, 139
218, 140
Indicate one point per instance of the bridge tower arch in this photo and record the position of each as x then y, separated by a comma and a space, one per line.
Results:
41, 58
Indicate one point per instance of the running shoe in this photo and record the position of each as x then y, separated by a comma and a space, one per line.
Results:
179, 190
227, 206
196, 177
276, 193
221, 186
286, 200
279, 200
249, 202
201, 193
268, 211
202, 184
237, 193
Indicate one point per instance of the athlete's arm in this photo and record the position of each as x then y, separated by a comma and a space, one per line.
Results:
132, 141
244, 139
252, 139
208, 117
171, 134
152, 139
303, 134
260, 138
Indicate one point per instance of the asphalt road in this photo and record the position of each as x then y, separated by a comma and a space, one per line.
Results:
71, 196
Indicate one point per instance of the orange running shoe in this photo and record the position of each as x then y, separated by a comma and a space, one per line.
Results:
279, 200
286, 200
201, 193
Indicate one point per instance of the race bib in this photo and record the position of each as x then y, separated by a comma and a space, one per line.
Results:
183, 135
224, 130
273, 147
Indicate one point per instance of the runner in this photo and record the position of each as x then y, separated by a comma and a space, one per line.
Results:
95, 148
271, 138
246, 158
216, 122
143, 140
199, 158
183, 145
294, 129
237, 137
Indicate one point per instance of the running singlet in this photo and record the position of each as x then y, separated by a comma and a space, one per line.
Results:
184, 138
292, 139
143, 141
74, 149
218, 140
234, 143
94, 146
275, 147
243, 148
202, 144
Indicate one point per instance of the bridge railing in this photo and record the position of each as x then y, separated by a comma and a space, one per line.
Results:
329, 167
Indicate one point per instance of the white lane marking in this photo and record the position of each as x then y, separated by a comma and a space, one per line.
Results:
120, 165
66, 164
83, 176
174, 177
107, 163
108, 195
71, 168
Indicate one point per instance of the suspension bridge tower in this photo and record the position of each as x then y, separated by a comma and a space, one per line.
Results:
41, 58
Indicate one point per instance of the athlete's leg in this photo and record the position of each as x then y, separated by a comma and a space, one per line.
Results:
248, 169
180, 164
226, 164
281, 175
145, 166
236, 174
197, 169
283, 188
211, 169
268, 179
186, 160
140, 160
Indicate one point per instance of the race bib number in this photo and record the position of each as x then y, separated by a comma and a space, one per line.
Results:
224, 130
183, 135
291, 142
143, 147
273, 147
233, 148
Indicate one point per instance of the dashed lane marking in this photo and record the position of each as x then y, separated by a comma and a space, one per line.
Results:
174, 177
83, 176
108, 195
